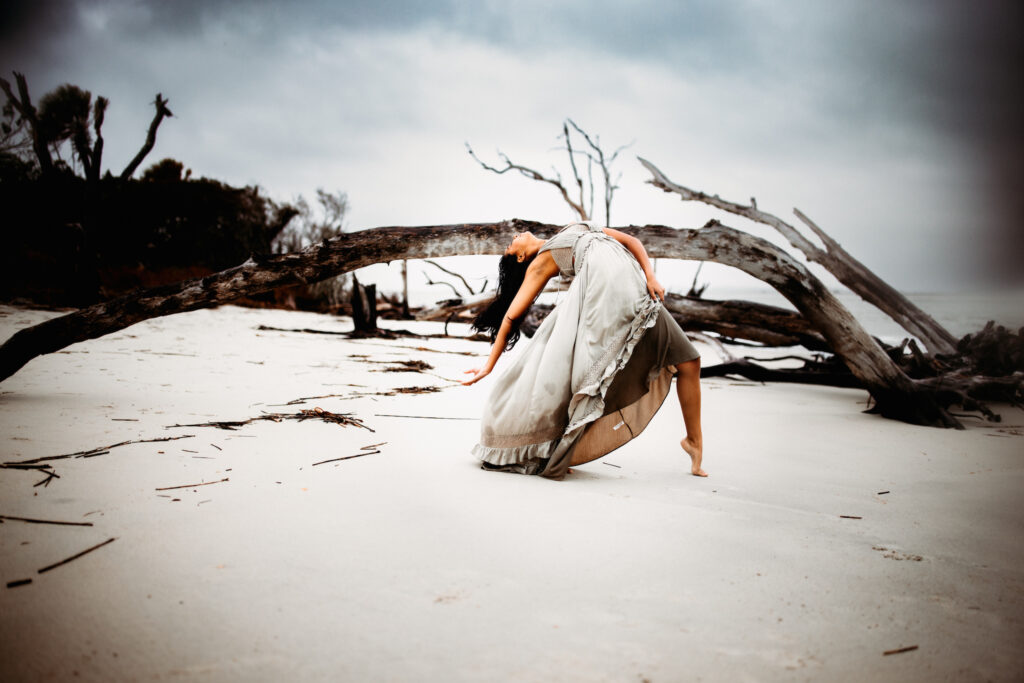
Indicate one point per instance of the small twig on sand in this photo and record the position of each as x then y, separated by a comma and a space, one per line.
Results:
900, 650
345, 457
850, 517
75, 557
371, 448
402, 365
43, 521
17, 466
50, 476
425, 417
19, 582
359, 394
189, 486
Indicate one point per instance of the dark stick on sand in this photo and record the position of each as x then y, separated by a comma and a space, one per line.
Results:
188, 486
44, 521
345, 457
19, 582
75, 557
93, 452
900, 650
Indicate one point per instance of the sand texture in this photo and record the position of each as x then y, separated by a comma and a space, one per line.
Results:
823, 538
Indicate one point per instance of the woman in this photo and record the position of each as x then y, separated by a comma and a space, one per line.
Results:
597, 368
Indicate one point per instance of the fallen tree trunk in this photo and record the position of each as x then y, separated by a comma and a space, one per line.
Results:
812, 373
894, 393
731, 320
768, 325
848, 270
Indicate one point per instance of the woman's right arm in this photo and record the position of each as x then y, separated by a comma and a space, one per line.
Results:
540, 271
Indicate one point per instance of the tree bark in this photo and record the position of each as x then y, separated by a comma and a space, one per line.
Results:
161, 111
848, 270
895, 394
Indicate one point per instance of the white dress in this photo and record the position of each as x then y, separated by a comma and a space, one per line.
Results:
548, 409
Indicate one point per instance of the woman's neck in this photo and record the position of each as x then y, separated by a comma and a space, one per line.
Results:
534, 246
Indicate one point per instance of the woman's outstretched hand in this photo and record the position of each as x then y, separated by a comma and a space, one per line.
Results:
478, 374
656, 290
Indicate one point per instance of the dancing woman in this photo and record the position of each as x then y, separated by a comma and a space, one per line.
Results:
598, 367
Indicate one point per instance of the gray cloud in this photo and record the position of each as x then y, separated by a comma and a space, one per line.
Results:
808, 91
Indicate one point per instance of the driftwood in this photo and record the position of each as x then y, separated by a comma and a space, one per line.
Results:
93, 452
343, 419
768, 325
746, 320
848, 270
895, 394
813, 372
987, 366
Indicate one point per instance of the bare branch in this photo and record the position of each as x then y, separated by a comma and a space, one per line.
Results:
532, 175
572, 163
442, 282
597, 156
450, 272
835, 259
161, 111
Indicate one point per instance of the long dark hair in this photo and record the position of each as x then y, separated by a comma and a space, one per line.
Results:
511, 273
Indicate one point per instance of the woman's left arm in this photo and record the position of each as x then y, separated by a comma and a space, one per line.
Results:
636, 248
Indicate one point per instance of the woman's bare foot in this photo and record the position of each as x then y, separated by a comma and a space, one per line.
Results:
696, 453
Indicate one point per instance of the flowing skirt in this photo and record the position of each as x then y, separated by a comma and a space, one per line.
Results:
593, 375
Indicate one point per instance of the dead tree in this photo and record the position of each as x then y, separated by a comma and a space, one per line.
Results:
27, 111
161, 112
364, 307
848, 270
91, 157
594, 155
895, 395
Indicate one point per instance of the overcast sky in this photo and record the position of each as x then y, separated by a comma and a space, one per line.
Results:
894, 124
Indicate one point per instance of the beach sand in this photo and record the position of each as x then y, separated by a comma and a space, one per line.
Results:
823, 538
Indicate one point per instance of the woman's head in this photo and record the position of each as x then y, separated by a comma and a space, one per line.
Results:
511, 272
524, 246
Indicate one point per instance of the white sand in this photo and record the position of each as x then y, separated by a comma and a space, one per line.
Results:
413, 564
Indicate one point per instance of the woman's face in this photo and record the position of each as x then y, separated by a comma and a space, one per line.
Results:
519, 244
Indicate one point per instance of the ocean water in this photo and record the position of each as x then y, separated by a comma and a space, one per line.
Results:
961, 313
